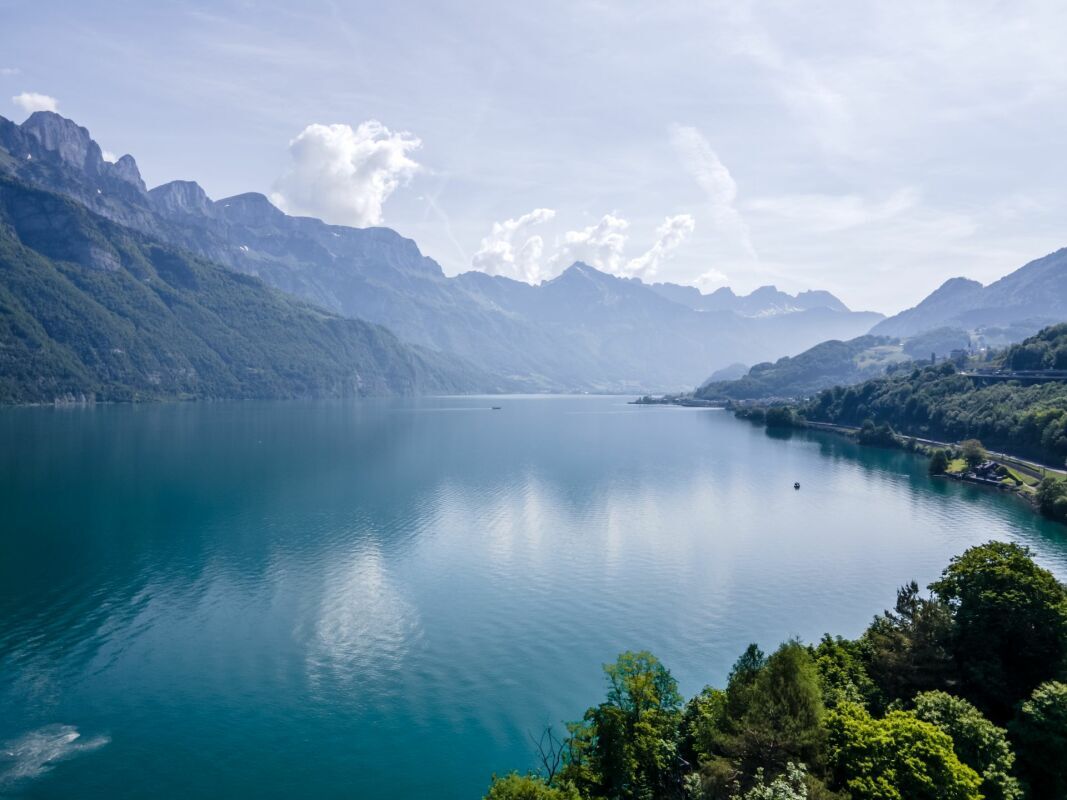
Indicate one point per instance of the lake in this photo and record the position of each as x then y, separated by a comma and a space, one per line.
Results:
385, 599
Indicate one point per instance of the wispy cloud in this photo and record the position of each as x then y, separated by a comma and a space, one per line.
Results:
672, 234
7, 72
707, 169
344, 175
32, 101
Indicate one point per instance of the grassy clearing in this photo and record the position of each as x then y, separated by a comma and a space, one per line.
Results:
957, 466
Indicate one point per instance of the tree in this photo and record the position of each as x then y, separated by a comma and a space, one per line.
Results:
1040, 731
780, 417
783, 721
908, 650
938, 462
842, 675
627, 746
973, 452
1052, 498
1010, 624
899, 757
528, 787
704, 723
977, 742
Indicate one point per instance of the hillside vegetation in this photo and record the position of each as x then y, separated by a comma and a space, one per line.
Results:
824, 365
91, 309
937, 402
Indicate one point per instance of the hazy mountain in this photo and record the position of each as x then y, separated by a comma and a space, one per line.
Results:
585, 330
764, 301
1025, 300
89, 308
832, 363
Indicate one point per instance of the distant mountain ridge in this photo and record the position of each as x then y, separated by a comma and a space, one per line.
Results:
1031, 297
764, 301
585, 330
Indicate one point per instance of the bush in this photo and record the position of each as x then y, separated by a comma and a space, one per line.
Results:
938, 462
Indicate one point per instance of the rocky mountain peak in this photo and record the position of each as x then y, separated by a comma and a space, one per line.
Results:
126, 169
181, 197
250, 208
66, 138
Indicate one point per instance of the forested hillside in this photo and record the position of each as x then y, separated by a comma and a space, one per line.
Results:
91, 309
937, 402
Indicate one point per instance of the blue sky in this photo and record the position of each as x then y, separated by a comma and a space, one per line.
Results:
873, 149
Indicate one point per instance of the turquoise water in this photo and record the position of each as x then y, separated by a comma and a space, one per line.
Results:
385, 599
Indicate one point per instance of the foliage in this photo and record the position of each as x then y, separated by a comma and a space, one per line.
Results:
1040, 730
898, 714
780, 417
908, 650
872, 434
936, 402
790, 785
973, 452
631, 740
899, 757
528, 787
826, 364
1052, 498
843, 677
1010, 624
977, 742
938, 462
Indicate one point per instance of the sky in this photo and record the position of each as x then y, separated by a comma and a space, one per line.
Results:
874, 149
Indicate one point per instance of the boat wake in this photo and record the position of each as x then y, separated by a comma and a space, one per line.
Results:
36, 752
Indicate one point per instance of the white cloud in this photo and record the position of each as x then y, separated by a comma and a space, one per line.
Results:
6, 72
109, 157
32, 101
511, 250
672, 234
712, 279
344, 175
600, 245
715, 179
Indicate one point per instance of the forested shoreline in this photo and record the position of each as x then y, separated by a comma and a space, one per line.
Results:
954, 694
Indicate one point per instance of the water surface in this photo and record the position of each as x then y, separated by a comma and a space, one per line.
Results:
385, 599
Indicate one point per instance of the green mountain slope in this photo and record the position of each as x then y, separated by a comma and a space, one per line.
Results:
90, 308
937, 402
827, 364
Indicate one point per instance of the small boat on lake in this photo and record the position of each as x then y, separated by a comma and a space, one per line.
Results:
496, 408
796, 485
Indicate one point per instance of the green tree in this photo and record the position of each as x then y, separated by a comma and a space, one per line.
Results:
938, 462
528, 787
741, 680
704, 724
1010, 624
842, 675
783, 721
973, 452
628, 745
899, 757
908, 650
977, 742
1040, 732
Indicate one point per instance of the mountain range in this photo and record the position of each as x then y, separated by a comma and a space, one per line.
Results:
1024, 301
585, 330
